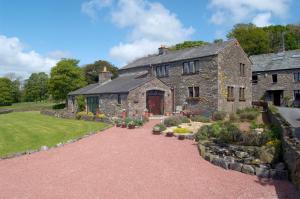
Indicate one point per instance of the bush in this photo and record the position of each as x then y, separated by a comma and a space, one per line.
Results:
160, 127
208, 131
5, 103
219, 115
100, 116
274, 132
59, 106
128, 120
138, 122
200, 118
84, 115
248, 114
229, 133
233, 117
176, 120
182, 131
80, 100
254, 139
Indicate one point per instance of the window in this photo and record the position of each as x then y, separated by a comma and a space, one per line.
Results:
119, 99
274, 78
254, 79
297, 95
242, 94
162, 71
197, 65
242, 69
191, 92
190, 67
297, 77
230, 93
194, 92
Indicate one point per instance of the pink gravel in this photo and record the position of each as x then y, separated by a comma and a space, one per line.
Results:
121, 163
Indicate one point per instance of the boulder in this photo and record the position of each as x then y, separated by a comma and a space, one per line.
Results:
235, 166
262, 172
248, 169
220, 162
267, 154
241, 154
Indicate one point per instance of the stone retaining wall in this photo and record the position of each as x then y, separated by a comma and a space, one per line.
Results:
5, 111
291, 147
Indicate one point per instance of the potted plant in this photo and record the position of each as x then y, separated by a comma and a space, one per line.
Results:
118, 123
169, 134
158, 128
131, 125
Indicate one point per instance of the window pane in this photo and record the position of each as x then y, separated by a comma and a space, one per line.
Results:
191, 92
157, 71
274, 78
163, 71
167, 69
297, 94
197, 66
191, 67
196, 91
185, 68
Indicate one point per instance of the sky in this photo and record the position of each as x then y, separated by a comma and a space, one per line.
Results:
36, 34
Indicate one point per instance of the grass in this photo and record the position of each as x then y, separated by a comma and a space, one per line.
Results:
28, 106
23, 131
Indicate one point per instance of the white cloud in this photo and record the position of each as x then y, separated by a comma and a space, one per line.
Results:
237, 11
262, 19
59, 54
150, 25
15, 59
91, 7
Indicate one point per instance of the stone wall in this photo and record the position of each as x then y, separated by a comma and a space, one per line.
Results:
206, 80
108, 104
229, 75
137, 97
285, 81
290, 145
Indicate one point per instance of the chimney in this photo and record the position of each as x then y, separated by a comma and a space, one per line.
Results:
104, 76
162, 50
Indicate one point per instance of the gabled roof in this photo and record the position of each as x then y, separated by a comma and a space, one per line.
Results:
189, 53
122, 84
276, 61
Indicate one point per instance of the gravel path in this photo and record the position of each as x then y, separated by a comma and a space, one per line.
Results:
121, 163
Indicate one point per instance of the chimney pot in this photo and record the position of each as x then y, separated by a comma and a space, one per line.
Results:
162, 50
104, 76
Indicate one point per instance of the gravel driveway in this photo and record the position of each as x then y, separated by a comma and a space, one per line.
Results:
121, 163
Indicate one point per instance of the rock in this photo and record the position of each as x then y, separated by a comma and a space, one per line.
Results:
229, 159
259, 130
262, 172
201, 150
248, 169
248, 160
280, 166
279, 174
236, 166
267, 154
190, 136
44, 148
256, 161
241, 154
220, 162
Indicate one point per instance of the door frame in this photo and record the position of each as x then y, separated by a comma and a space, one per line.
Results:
156, 92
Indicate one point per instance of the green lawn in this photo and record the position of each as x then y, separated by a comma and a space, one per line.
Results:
29, 106
22, 131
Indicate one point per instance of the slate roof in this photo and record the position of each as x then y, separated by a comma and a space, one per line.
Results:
276, 61
189, 53
122, 84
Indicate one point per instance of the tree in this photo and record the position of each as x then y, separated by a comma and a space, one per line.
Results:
15, 87
91, 71
188, 44
36, 87
6, 97
65, 77
253, 40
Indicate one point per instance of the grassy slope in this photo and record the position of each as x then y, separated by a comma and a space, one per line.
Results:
25, 106
22, 131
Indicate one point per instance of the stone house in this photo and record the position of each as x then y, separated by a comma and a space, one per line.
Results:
276, 77
215, 77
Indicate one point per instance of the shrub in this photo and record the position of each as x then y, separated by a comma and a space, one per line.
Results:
254, 125
80, 114
160, 127
128, 120
59, 106
131, 123
254, 139
274, 132
199, 118
229, 133
80, 100
100, 116
5, 103
208, 131
172, 121
183, 119
84, 115
138, 122
273, 108
219, 115
248, 113
182, 131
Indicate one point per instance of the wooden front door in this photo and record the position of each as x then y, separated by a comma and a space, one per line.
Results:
154, 105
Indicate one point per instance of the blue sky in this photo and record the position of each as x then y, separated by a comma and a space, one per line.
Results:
35, 34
